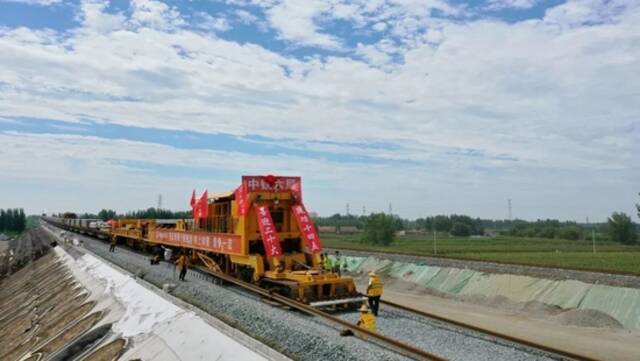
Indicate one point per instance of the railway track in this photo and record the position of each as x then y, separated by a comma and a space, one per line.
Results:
396, 345
503, 336
401, 347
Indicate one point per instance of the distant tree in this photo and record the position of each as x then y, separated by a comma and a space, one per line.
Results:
379, 228
547, 232
107, 214
621, 228
571, 232
460, 230
12, 219
442, 223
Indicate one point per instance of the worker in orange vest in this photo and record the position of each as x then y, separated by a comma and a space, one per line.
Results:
367, 319
374, 292
182, 262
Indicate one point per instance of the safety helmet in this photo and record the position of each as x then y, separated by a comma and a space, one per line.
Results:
372, 273
364, 308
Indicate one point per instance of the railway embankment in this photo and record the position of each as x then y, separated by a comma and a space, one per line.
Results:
70, 305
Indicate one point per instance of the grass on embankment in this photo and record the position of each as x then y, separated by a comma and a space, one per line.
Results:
609, 256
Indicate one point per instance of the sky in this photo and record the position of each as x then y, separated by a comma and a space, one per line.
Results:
430, 106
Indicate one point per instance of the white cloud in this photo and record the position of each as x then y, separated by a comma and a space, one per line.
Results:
515, 4
557, 96
380, 26
155, 14
245, 16
207, 22
297, 21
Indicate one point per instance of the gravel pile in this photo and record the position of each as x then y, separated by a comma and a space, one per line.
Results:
449, 341
298, 336
588, 318
611, 279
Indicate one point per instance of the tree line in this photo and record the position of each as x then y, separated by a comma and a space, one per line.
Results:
12, 220
377, 227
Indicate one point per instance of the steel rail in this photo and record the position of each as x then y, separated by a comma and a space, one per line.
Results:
532, 344
396, 345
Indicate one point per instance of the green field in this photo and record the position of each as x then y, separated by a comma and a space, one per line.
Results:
537, 251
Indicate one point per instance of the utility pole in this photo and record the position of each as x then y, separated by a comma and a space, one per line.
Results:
390, 209
160, 201
593, 236
510, 214
435, 246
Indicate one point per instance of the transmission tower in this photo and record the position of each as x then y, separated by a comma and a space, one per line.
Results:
347, 209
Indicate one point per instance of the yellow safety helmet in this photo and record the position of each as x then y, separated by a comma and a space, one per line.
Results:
364, 308
372, 273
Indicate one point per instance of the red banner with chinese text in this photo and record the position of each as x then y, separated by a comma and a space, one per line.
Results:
270, 183
201, 209
307, 228
242, 201
214, 242
268, 231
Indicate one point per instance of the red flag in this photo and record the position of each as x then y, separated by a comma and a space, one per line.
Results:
307, 229
201, 209
296, 189
242, 203
270, 238
193, 199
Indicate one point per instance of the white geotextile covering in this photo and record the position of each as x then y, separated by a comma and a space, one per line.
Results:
622, 303
160, 329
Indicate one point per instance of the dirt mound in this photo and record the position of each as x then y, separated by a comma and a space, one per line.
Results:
540, 310
588, 318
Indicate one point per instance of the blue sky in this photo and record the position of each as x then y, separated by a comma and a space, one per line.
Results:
435, 106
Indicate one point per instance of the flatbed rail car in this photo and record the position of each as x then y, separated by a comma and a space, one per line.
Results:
260, 232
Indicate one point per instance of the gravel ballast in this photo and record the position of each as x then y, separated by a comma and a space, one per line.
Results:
303, 337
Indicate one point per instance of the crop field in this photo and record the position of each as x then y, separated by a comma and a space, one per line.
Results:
609, 256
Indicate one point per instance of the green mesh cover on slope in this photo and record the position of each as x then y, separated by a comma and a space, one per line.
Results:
619, 302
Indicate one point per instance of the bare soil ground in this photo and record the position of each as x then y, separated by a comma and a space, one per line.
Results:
589, 332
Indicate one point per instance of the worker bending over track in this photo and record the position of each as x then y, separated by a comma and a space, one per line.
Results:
367, 320
374, 292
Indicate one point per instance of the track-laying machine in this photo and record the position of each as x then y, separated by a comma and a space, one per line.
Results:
261, 232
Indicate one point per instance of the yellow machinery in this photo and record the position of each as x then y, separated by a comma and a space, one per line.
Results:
260, 232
